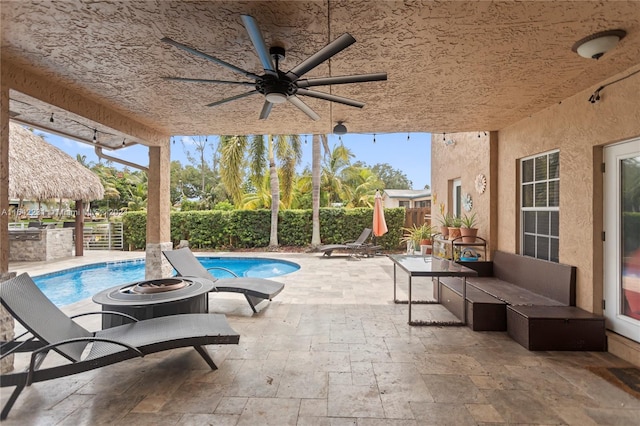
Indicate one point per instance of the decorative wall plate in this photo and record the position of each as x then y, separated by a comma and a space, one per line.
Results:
467, 202
481, 183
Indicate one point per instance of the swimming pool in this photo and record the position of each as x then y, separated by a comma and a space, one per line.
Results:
75, 284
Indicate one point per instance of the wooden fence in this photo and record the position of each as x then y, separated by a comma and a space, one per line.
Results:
417, 216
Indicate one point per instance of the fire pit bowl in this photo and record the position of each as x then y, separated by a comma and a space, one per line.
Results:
161, 285
154, 298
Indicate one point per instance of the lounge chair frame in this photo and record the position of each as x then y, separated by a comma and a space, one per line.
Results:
255, 290
356, 248
48, 328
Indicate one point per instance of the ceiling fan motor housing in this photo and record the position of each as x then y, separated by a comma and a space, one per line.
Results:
271, 84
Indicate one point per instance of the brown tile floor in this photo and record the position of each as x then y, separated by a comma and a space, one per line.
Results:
333, 349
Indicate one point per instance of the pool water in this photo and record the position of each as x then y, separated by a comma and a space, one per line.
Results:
75, 284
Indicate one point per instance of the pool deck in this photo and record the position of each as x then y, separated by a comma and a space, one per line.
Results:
331, 349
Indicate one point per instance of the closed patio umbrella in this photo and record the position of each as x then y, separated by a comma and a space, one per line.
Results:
379, 224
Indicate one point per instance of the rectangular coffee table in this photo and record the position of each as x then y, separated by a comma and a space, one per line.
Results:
434, 267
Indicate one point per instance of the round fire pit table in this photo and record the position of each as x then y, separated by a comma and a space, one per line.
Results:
154, 298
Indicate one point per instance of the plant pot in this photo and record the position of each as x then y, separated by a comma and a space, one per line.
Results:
425, 247
444, 230
454, 233
468, 234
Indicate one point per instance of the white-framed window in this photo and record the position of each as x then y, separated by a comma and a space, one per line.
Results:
405, 204
456, 197
540, 206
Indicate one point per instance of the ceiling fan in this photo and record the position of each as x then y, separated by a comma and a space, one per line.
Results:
277, 86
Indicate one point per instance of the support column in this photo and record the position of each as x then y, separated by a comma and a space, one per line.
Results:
4, 180
158, 212
7, 323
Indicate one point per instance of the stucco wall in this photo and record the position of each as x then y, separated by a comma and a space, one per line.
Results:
465, 158
579, 130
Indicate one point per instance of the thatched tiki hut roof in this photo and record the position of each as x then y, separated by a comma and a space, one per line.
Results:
40, 171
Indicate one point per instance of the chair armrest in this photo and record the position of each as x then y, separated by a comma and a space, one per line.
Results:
120, 314
223, 269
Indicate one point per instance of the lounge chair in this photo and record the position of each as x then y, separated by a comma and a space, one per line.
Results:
51, 329
356, 247
255, 290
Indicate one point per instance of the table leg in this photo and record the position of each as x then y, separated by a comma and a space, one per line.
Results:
395, 298
409, 301
464, 300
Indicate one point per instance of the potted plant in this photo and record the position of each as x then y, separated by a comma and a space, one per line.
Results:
445, 222
454, 228
468, 231
418, 236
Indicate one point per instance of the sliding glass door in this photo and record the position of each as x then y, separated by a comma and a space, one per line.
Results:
622, 242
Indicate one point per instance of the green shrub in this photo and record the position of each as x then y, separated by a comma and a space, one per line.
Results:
134, 228
218, 229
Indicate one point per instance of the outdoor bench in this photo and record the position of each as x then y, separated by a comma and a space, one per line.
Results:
532, 299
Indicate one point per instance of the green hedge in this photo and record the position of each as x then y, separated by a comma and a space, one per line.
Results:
216, 229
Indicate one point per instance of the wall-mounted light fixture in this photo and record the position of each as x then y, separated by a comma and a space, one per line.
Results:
596, 45
339, 129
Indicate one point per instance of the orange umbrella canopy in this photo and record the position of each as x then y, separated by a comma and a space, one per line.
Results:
379, 224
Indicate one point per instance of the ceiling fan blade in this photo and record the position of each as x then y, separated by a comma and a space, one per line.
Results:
266, 109
208, 57
258, 43
345, 79
201, 80
232, 98
303, 107
330, 97
336, 46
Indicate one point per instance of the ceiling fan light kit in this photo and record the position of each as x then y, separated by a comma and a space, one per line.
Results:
277, 86
596, 45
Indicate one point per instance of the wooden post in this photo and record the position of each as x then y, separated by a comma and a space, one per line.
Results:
79, 228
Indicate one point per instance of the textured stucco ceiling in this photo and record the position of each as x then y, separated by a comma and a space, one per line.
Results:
452, 66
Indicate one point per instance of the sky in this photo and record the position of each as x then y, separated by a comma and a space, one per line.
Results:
412, 156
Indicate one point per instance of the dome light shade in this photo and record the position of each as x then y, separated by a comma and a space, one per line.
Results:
276, 98
339, 129
596, 45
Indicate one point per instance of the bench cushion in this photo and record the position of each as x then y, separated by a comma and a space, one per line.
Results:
509, 293
553, 280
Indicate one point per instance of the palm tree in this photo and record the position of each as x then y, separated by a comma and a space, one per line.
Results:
261, 198
302, 188
335, 164
286, 148
361, 184
232, 149
316, 172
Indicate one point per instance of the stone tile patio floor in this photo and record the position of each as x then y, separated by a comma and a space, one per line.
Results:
332, 349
